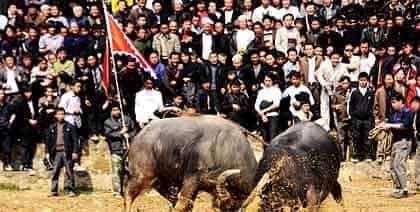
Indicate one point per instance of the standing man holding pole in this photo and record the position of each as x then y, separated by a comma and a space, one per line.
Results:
116, 133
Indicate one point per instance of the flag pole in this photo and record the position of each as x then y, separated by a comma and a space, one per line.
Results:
109, 41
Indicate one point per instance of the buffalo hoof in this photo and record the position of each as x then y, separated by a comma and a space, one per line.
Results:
183, 205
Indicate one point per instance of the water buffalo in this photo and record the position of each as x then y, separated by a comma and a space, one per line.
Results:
300, 167
180, 156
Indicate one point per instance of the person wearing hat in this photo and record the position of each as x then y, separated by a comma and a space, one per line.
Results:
117, 135
205, 43
236, 104
242, 38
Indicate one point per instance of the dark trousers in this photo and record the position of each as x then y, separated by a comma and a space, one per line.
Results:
62, 160
94, 118
362, 146
27, 151
344, 136
271, 128
6, 146
315, 89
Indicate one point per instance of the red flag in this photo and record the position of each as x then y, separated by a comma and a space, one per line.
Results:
106, 66
121, 44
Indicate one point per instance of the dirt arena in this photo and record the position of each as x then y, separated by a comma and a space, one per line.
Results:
362, 192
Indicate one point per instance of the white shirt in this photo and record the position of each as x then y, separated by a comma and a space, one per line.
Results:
12, 86
260, 11
228, 16
363, 90
311, 69
31, 108
271, 94
146, 103
292, 91
207, 43
366, 63
328, 76
279, 14
71, 103
354, 65
244, 38
329, 12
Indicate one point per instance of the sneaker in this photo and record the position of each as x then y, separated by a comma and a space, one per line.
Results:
31, 172
78, 168
53, 194
399, 194
354, 160
368, 159
8, 168
72, 194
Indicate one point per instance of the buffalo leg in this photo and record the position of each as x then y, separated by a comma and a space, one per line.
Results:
313, 199
135, 187
187, 195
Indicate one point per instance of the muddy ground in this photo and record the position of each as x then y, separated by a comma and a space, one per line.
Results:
363, 191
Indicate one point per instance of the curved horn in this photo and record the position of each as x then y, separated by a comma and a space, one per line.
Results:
257, 191
224, 175
223, 196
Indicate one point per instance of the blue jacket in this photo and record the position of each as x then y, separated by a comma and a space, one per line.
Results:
402, 117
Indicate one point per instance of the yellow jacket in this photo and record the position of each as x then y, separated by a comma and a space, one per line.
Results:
114, 5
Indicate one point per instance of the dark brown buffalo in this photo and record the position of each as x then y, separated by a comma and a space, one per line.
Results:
299, 168
181, 156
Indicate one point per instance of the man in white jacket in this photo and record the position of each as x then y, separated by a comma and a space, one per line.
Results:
287, 36
328, 75
147, 102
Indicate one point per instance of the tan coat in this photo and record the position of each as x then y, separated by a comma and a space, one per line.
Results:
304, 67
379, 104
166, 44
339, 103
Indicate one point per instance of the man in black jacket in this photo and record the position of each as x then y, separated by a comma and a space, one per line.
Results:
206, 101
7, 118
26, 127
361, 110
236, 104
62, 146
